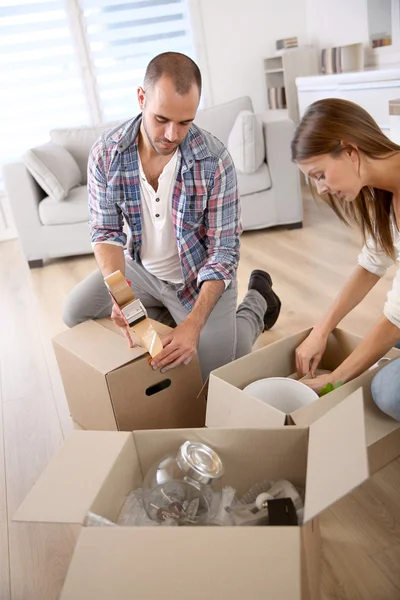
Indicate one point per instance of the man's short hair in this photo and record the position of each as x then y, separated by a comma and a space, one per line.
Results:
180, 68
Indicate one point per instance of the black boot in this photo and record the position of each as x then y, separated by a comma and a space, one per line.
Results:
262, 282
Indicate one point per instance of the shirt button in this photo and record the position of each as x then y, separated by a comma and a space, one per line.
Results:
181, 210
157, 199
157, 215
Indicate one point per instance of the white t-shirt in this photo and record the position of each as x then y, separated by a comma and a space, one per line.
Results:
159, 252
377, 262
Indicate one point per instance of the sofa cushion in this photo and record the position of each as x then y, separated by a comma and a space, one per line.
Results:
246, 142
256, 182
78, 141
74, 210
55, 170
220, 119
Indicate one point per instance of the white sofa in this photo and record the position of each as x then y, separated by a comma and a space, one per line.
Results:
49, 229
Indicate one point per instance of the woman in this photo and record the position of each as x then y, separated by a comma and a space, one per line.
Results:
356, 170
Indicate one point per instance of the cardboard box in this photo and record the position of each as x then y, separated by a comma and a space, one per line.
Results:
229, 406
111, 386
96, 470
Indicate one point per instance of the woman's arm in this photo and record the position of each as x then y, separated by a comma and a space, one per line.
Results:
382, 337
309, 353
356, 288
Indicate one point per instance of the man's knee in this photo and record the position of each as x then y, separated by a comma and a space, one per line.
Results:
385, 389
71, 311
87, 300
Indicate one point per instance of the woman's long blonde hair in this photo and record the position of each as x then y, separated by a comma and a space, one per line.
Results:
326, 128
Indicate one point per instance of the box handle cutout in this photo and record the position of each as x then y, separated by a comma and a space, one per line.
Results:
158, 387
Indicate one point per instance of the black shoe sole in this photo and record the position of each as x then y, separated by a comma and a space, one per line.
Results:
278, 302
279, 305
263, 274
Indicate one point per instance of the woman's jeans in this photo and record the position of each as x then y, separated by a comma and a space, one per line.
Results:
386, 389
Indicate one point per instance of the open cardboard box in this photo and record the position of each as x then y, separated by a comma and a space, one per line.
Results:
111, 386
94, 471
229, 406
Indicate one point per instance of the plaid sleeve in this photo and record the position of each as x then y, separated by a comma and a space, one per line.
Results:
106, 220
222, 223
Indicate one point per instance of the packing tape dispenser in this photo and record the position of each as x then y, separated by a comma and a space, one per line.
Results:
134, 312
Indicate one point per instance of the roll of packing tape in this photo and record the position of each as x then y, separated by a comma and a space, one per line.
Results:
119, 288
147, 336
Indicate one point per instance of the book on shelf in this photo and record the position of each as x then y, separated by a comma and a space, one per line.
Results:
286, 43
277, 97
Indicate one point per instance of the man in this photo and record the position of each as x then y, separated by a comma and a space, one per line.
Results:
176, 187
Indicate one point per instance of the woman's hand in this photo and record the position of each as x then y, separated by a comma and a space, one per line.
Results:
309, 353
318, 383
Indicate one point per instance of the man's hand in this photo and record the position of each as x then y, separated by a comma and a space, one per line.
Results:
179, 346
119, 319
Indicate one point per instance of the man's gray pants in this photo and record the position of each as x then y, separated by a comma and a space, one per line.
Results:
228, 333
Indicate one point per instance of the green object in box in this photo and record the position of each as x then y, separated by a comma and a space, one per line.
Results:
329, 388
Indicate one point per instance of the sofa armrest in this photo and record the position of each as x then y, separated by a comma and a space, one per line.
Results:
24, 196
278, 134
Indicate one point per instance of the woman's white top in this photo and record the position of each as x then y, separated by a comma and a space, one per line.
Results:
375, 261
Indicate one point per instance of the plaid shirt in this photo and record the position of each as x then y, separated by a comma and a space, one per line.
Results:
205, 203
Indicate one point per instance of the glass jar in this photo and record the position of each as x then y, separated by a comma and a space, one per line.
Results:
181, 486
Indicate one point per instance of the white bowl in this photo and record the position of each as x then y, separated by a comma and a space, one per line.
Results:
287, 395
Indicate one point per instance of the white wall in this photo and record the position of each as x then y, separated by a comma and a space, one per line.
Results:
380, 17
336, 22
238, 35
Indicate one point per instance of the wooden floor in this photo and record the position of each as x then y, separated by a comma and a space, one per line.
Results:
361, 550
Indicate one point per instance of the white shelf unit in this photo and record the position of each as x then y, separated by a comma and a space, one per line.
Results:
281, 71
372, 89
342, 59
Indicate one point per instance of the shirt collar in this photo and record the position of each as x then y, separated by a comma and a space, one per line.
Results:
192, 148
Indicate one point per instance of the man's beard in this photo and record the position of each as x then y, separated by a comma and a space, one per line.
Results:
162, 152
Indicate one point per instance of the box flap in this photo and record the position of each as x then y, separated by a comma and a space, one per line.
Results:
229, 406
228, 563
275, 360
307, 415
69, 485
98, 346
249, 455
347, 342
337, 455
253, 413
377, 424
